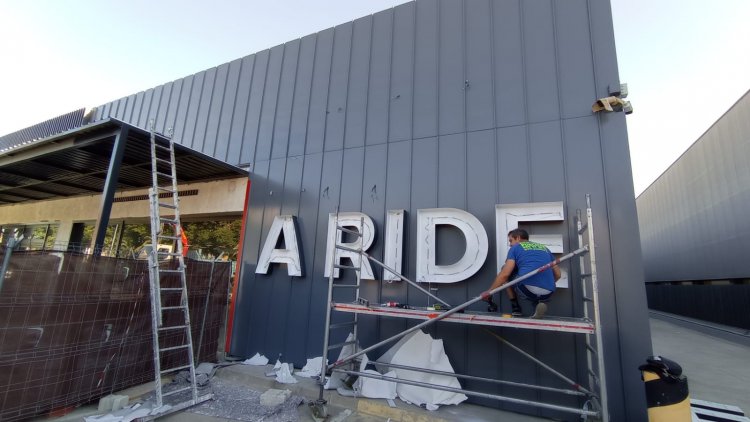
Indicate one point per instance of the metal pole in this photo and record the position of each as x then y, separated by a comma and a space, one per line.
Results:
471, 393
324, 358
454, 310
12, 243
481, 379
205, 311
542, 364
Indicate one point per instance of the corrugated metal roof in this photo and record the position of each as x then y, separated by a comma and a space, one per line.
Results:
41, 130
76, 163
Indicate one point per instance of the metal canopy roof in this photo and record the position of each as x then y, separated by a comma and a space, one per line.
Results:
76, 163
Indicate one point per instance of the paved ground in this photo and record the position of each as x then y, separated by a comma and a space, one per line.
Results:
718, 370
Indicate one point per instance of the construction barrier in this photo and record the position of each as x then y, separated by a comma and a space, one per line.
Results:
667, 393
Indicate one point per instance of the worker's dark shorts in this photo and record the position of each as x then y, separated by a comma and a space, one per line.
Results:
531, 296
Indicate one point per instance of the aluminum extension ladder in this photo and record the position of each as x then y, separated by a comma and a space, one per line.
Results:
168, 266
594, 407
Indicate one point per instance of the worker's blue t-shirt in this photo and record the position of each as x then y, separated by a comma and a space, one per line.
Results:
528, 257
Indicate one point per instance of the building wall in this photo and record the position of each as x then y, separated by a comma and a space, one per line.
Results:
692, 218
463, 104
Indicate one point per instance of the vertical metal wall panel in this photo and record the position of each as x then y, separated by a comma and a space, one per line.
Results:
380, 76
426, 70
484, 354
330, 186
452, 83
226, 117
216, 110
337, 90
402, 73
480, 89
268, 110
247, 334
546, 162
239, 121
513, 170
193, 104
284, 286
284, 103
204, 109
319, 96
145, 108
445, 103
398, 196
359, 75
129, 108
255, 103
374, 190
161, 114
274, 288
154, 109
183, 106
301, 104
540, 67
575, 64
297, 333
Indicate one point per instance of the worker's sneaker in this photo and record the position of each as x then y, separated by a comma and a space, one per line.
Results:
541, 309
517, 312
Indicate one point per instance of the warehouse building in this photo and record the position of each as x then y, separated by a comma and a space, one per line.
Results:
479, 109
694, 231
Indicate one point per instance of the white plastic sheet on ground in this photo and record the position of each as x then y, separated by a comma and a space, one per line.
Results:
375, 388
336, 379
257, 360
311, 368
420, 350
284, 374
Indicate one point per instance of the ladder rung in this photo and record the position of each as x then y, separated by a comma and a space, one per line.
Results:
180, 390
591, 349
179, 368
340, 345
342, 324
583, 228
587, 299
167, 253
345, 230
351, 286
164, 236
161, 160
585, 275
171, 288
174, 327
346, 267
168, 220
166, 189
182, 346
163, 147
169, 271
170, 308
165, 205
162, 174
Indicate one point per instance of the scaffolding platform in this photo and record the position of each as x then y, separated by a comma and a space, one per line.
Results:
560, 324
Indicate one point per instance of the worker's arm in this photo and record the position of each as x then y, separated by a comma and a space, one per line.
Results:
556, 272
502, 277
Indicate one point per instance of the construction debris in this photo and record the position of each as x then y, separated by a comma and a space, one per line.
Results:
274, 397
257, 360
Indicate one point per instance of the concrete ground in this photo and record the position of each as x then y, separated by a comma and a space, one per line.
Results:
715, 360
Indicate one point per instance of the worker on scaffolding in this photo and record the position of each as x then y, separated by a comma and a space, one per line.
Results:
524, 257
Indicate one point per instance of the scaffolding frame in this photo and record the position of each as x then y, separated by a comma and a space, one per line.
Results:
595, 405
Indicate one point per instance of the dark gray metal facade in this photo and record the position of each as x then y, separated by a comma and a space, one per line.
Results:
447, 103
693, 218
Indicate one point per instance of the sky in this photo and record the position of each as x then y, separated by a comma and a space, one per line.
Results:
685, 61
